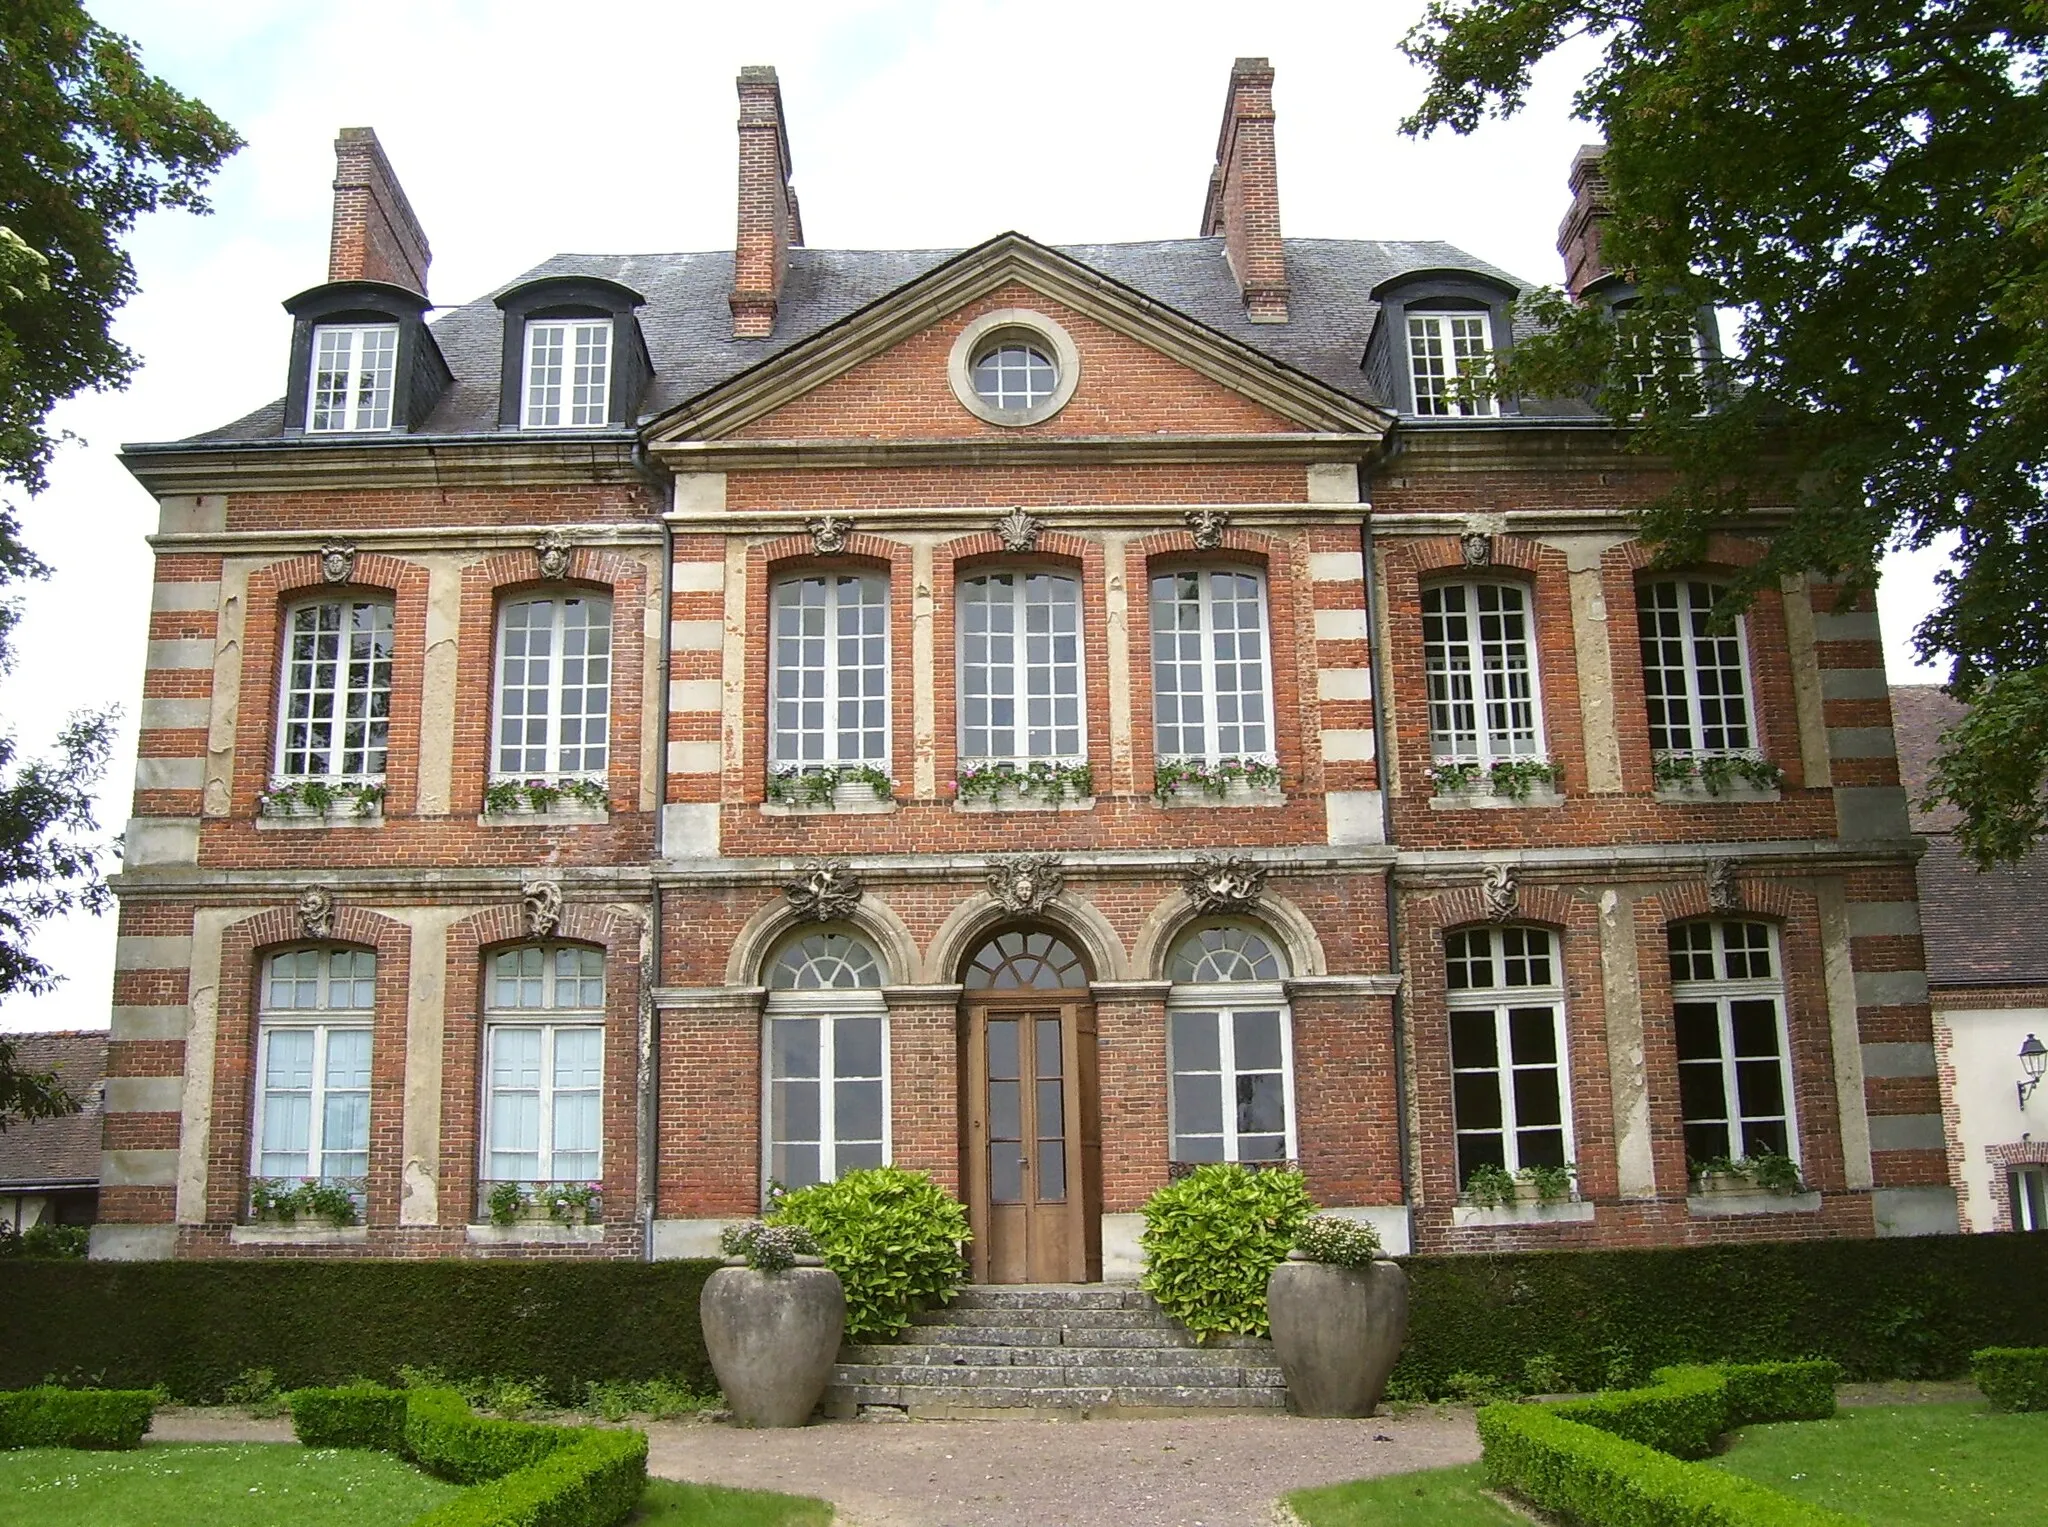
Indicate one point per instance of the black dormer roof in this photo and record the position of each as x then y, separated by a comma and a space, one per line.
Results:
422, 373
578, 295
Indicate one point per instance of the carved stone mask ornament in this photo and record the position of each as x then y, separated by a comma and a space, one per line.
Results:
1224, 883
1025, 882
829, 533
554, 549
338, 561
543, 902
1208, 526
1478, 548
1503, 894
823, 891
316, 911
1723, 894
1020, 530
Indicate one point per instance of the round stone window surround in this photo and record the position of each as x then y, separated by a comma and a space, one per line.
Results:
1034, 328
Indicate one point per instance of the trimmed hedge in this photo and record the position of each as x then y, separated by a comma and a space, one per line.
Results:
2012, 1378
446, 1438
593, 1480
1600, 1480
194, 1327
85, 1418
355, 1415
1684, 1415
1762, 1392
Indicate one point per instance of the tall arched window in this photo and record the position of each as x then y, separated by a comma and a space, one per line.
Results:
1510, 1077
544, 1064
1479, 654
334, 701
313, 1064
554, 685
1020, 669
1230, 1047
1695, 675
827, 1061
1212, 695
829, 692
1728, 1011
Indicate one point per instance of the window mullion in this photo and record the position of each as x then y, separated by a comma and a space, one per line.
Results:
559, 640
1695, 706
316, 1127
1212, 731
1226, 1080
545, 1155
828, 1121
1511, 1147
834, 687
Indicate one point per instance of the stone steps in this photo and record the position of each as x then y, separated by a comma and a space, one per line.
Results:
1094, 1349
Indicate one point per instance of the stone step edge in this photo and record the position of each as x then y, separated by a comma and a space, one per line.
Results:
843, 1400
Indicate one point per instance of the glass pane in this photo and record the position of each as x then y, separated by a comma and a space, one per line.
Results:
1760, 1087
1765, 1136
1477, 1151
1756, 1027
1005, 1117
290, 1058
1197, 1105
346, 1126
1002, 1048
1052, 1172
794, 1166
857, 1111
1048, 1047
1699, 1092
1536, 1099
1475, 1097
1261, 1104
1532, 1035
1698, 1031
796, 1110
1540, 1147
1706, 1142
1257, 1037
793, 1046
1005, 1172
1195, 1042
857, 1047
1473, 1042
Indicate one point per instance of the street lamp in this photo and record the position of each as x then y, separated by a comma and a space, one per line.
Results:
2033, 1061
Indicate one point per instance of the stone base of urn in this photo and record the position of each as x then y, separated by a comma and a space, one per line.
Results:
1336, 1333
772, 1338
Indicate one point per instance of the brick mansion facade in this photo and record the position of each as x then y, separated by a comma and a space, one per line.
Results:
1042, 716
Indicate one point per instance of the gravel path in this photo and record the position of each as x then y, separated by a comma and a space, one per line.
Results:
1194, 1472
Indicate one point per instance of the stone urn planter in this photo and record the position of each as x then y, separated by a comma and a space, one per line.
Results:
1336, 1332
772, 1338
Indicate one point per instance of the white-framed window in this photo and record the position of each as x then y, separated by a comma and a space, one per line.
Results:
1230, 1047
1020, 668
1665, 363
829, 693
1442, 347
352, 372
1212, 694
1511, 1102
1479, 655
1014, 373
2028, 1186
568, 373
1695, 681
827, 1071
1728, 1014
554, 684
313, 1065
334, 712
544, 1065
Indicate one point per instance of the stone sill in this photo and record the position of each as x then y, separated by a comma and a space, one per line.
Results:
982, 806
576, 814
1737, 791
333, 822
1731, 1205
265, 1234
1195, 800
1570, 1212
535, 1234
1486, 800
867, 803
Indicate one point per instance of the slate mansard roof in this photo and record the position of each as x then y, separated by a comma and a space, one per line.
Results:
688, 323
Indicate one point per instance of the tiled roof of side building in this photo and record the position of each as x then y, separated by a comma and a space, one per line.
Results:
1920, 714
38, 1153
1983, 928
688, 323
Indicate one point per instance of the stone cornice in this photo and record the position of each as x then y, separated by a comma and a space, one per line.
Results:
1012, 451
1081, 866
1382, 984
284, 543
741, 999
578, 882
968, 518
298, 465
1653, 861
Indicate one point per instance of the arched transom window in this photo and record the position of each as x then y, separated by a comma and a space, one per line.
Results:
1510, 1086
544, 1034
827, 1041
1026, 960
1230, 1047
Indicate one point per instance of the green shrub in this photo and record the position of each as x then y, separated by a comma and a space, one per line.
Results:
1684, 1415
892, 1235
84, 1418
592, 1480
256, 1391
2012, 1378
59, 1242
1600, 1480
353, 1415
1341, 1242
444, 1437
1213, 1238
1763, 1392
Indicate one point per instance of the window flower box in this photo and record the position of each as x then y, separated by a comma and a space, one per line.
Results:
1038, 785
306, 1202
508, 1204
312, 802
1723, 778
1509, 783
1247, 781
846, 789
566, 801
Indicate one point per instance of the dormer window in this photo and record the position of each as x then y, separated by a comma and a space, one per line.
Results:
1443, 349
353, 369
568, 373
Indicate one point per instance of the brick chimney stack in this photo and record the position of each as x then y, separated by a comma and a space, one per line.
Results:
376, 237
1578, 236
1244, 193
769, 223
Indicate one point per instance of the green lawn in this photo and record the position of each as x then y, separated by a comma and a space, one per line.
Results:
213, 1485
1905, 1465
669, 1504
1433, 1498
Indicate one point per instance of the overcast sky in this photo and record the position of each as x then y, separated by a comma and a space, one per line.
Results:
524, 130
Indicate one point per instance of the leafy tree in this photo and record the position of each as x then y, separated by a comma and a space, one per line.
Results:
89, 141
1865, 182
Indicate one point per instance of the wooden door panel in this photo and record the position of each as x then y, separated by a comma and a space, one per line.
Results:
1030, 1169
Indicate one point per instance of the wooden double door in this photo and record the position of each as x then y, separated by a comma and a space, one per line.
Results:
1032, 1147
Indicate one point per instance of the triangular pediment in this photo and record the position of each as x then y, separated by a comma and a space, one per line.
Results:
1244, 385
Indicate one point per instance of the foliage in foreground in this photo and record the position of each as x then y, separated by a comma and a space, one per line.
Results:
1213, 1238
892, 1235
1873, 202
47, 1416
2012, 1378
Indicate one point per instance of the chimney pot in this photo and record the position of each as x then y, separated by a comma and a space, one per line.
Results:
1243, 204
1578, 236
375, 237
769, 222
